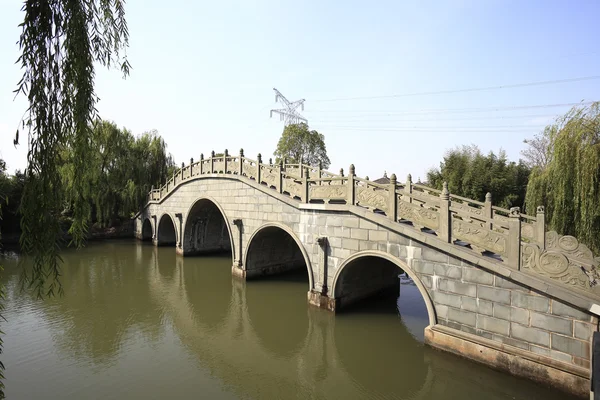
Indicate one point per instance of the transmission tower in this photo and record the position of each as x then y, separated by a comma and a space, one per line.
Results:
289, 114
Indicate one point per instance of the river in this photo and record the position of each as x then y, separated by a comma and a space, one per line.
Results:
139, 322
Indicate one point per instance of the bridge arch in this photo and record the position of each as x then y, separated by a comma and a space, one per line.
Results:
281, 251
207, 229
147, 229
337, 288
166, 234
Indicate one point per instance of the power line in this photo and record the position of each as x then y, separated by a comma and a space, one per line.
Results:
480, 89
461, 110
385, 119
438, 127
450, 130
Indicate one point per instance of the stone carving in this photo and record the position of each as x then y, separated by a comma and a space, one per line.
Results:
328, 192
479, 237
293, 188
371, 198
249, 170
233, 166
527, 231
564, 260
218, 165
467, 208
418, 215
269, 176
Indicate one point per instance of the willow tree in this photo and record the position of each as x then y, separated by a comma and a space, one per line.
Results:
61, 43
568, 185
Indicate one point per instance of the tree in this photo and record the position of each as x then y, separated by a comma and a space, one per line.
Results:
300, 145
60, 43
471, 174
569, 184
539, 150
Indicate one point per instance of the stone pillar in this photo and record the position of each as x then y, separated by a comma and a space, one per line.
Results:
201, 163
238, 268
258, 162
513, 250
241, 170
393, 200
305, 198
408, 188
225, 155
154, 231
280, 179
182, 166
351, 186
212, 162
179, 245
445, 215
191, 167
320, 298
488, 211
540, 227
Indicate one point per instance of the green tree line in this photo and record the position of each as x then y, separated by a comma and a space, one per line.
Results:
560, 170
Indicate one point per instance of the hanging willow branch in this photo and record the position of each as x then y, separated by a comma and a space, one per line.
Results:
569, 185
61, 40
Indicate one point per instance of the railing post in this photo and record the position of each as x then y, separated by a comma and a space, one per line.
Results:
225, 155
258, 162
540, 227
408, 188
513, 252
201, 163
284, 163
320, 173
301, 169
182, 166
445, 216
342, 175
212, 162
488, 211
270, 162
191, 167
305, 186
351, 187
280, 180
241, 171
393, 201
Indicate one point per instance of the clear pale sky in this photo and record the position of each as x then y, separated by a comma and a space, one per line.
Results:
204, 72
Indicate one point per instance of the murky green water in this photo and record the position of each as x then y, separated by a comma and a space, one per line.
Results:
139, 322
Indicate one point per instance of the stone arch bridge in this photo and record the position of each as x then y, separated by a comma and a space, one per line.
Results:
498, 287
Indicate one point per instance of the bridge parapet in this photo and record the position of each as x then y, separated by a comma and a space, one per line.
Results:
519, 241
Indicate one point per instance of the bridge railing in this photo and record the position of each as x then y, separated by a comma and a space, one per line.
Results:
518, 240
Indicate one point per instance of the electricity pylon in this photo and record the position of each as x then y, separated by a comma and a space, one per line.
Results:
289, 114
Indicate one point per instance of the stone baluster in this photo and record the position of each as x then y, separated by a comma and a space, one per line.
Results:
445, 215
241, 170
341, 182
540, 227
280, 180
320, 173
393, 201
182, 167
201, 163
284, 163
191, 167
258, 162
225, 155
301, 169
488, 211
305, 198
408, 189
212, 162
513, 251
270, 162
351, 185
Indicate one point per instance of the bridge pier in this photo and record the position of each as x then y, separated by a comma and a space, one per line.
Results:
320, 300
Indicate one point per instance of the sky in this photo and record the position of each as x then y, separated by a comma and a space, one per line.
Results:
203, 75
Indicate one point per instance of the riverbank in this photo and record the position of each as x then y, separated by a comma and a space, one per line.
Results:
125, 230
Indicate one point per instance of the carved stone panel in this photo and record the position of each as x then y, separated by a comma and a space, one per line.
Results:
418, 215
479, 237
218, 165
292, 187
269, 176
564, 260
527, 230
249, 170
328, 192
372, 198
233, 166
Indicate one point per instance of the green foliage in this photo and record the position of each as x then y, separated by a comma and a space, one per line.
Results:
569, 184
471, 174
60, 43
299, 144
121, 170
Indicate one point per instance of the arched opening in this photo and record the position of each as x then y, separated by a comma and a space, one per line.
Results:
384, 311
147, 230
277, 303
206, 230
273, 250
166, 231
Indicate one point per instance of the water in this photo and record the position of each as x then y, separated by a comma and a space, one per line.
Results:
139, 322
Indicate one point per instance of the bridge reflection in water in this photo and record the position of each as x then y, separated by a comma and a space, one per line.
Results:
257, 339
